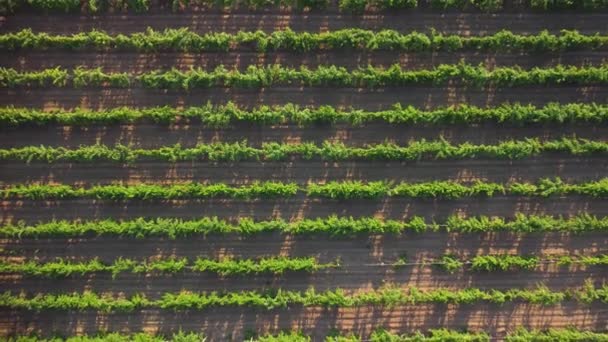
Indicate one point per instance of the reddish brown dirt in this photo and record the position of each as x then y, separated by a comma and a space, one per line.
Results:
372, 99
455, 22
350, 278
353, 250
299, 207
570, 169
365, 261
357, 252
188, 135
143, 62
230, 323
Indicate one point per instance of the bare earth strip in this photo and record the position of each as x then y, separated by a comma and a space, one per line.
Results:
190, 134
371, 99
350, 278
452, 22
366, 261
570, 169
144, 62
300, 207
227, 323
355, 250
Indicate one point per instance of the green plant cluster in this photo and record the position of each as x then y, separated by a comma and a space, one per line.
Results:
115, 337
90, 6
493, 263
333, 151
334, 190
153, 192
184, 40
224, 267
323, 76
378, 335
585, 260
483, 5
553, 5
333, 225
224, 115
567, 335
452, 190
503, 263
386, 296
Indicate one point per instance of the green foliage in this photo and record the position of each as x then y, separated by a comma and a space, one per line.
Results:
559, 5
450, 263
525, 224
323, 76
359, 6
561, 335
492, 263
225, 267
97, 78
70, 6
44, 78
433, 335
152, 192
446, 189
386, 296
585, 260
222, 116
349, 190
483, 5
333, 225
379, 335
293, 336
415, 150
275, 265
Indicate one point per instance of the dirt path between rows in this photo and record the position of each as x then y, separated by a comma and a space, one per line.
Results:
570, 169
366, 261
145, 62
370, 99
455, 23
299, 207
351, 279
150, 135
230, 323
354, 250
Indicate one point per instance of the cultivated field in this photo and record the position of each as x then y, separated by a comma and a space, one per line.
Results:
294, 170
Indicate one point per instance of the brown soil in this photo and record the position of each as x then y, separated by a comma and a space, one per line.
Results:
299, 207
222, 324
456, 22
144, 62
353, 251
190, 134
350, 278
371, 99
570, 169
361, 256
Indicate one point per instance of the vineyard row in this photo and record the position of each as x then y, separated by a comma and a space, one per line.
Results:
184, 40
224, 115
322, 76
378, 335
333, 225
330, 151
279, 265
334, 190
223, 267
386, 296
